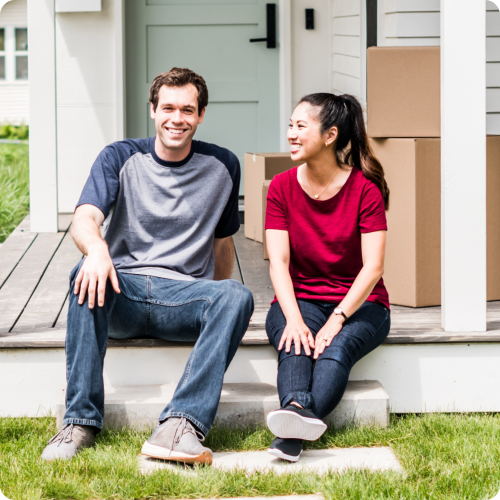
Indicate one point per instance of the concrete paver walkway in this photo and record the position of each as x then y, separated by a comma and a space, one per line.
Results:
292, 497
317, 461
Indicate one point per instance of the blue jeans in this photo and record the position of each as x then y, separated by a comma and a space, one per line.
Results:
214, 314
319, 386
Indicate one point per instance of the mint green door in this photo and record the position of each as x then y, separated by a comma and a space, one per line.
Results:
211, 38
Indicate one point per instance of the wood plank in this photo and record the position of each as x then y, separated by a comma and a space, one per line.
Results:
236, 268
63, 315
12, 251
254, 271
64, 221
17, 290
46, 302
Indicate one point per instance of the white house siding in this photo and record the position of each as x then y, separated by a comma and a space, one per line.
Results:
417, 23
346, 48
14, 103
310, 49
14, 13
14, 97
86, 96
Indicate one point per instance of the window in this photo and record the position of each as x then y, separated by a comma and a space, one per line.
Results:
13, 54
21, 35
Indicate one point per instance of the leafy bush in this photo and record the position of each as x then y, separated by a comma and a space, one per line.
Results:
14, 132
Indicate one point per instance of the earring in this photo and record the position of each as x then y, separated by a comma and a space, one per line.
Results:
326, 144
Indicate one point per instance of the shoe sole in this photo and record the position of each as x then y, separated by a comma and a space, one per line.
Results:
288, 425
279, 454
153, 451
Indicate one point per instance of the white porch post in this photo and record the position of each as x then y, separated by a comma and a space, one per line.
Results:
285, 44
42, 144
463, 165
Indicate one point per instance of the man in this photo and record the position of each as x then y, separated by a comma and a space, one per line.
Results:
161, 271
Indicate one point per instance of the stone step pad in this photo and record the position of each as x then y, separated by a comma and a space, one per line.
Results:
287, 497
241, 405
311, 461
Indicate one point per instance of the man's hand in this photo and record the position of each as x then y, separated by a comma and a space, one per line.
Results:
297, 331
98, 266
95, 271
325, 336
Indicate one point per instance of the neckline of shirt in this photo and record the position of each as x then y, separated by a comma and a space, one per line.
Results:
318, 202
170, 164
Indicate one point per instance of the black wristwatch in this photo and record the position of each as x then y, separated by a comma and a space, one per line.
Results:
338, 311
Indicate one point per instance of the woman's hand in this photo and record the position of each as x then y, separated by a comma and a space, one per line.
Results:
325, 336
297, 331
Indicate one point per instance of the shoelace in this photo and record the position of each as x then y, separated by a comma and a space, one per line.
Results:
185, 426
65, 435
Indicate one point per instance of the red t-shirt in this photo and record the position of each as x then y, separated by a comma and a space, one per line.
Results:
325, 235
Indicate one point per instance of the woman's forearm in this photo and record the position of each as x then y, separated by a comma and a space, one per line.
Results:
283, 287
363, 285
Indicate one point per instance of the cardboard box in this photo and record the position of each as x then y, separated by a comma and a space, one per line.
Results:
403, 92
493, 217
260, 167
413, 254
265, 190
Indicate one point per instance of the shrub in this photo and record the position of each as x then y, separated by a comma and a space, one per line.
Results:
8, 131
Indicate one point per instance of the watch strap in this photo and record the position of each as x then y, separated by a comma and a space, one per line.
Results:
340, 312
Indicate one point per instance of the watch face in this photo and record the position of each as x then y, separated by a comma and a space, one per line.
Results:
337, 310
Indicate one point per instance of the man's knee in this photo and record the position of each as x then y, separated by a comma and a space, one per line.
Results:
236, 294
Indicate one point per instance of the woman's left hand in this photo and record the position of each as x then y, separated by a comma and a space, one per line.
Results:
325, 336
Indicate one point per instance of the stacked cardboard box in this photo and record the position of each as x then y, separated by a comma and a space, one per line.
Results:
404, 126
260, 167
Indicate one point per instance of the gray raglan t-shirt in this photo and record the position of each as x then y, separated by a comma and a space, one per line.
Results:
162, 217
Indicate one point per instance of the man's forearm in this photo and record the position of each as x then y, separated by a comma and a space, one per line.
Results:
224, 258
85, 233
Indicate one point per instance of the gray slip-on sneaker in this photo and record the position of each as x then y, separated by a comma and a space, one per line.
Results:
69, 441
176, 439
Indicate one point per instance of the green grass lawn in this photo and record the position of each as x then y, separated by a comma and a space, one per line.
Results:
444, 457
14, 187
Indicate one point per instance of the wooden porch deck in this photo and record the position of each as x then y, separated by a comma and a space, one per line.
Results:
34, 271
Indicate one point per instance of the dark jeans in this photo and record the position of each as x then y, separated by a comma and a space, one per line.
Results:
214, 314
319, 386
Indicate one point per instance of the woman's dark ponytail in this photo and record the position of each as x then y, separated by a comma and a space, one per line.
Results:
345, 113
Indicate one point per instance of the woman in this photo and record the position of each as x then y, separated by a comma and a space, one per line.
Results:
325, 231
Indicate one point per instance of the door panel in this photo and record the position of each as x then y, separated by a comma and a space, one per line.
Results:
211, 38
205, 50
198, 2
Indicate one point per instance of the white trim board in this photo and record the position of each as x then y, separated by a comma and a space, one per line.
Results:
285, 45
418, 378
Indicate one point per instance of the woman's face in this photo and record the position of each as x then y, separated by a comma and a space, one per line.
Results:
304, 133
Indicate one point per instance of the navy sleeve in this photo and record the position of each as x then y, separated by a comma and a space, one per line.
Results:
229, 223
103, 184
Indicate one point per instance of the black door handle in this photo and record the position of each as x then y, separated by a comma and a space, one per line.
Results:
271, 27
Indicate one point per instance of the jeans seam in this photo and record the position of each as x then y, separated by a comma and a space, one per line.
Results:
382, 324
148, 303
178, 304
82, 421
193, 352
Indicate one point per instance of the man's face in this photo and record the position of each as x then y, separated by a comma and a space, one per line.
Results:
176, 116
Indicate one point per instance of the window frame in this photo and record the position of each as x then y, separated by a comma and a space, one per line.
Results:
10, 53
